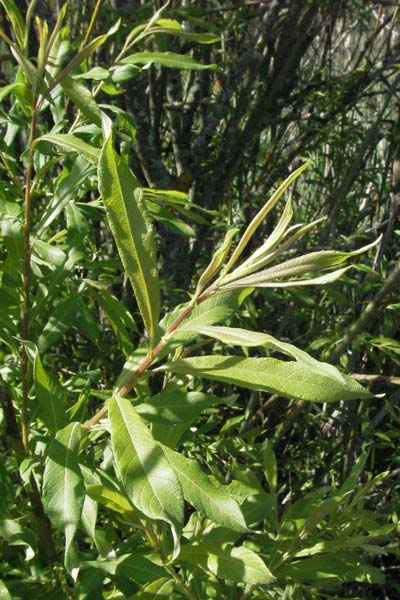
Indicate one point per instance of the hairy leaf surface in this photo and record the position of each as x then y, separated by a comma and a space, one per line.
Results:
291, 379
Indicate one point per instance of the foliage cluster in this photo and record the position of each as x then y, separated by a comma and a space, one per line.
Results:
157, 443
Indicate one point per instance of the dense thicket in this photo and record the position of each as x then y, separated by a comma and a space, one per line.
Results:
266, 85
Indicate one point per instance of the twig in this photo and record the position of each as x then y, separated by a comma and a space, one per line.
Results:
146, 362
27, 280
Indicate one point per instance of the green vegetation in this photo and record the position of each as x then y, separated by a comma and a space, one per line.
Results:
199, 300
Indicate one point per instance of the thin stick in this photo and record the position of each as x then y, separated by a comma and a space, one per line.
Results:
27, 281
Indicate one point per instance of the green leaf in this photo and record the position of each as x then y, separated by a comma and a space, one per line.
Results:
80, 57
339, 567
82, 98
16, 21
132, 232
217, 260
270, 466
260, 216
171, 221
149, 481
161, 588
117, 315
312, 263
170, 408
111, 499
4, 592
134, 567
66, 190
199, 38
167, 59
214, 503
8, 89
291, 379
17, 535
216, 309
48, 394
59, 322
71, 143
239, 564
63, 486
234, 336
255, 504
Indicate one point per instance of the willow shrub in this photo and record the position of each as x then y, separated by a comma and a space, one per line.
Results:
103, 501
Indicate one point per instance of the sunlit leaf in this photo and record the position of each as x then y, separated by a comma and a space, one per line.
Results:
148, 479
63, 486
132, 232
291, 379
214, 503
167, 59
235, 564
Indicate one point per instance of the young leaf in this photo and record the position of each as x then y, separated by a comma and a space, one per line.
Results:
148, 479
260, 216
212, 502
63, 487
313, 263
132, 232
262, 256
167, 59
16, 21
199, 38
292, 379
238, 564
217, 260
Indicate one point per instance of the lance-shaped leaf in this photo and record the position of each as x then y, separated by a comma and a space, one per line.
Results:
161, 588
48, 393
311, 263
52, 410
63, 486
16, 20
217, 260
260, 216
132, 566
111, 499
167, 59
261, 256
170, 408
82, 98
149, 481
214, 503
71, 143
234, 336
274, 238
199, 38
238, 564
291, 379
132, 231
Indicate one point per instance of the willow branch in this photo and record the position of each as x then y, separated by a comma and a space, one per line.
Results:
146, 362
